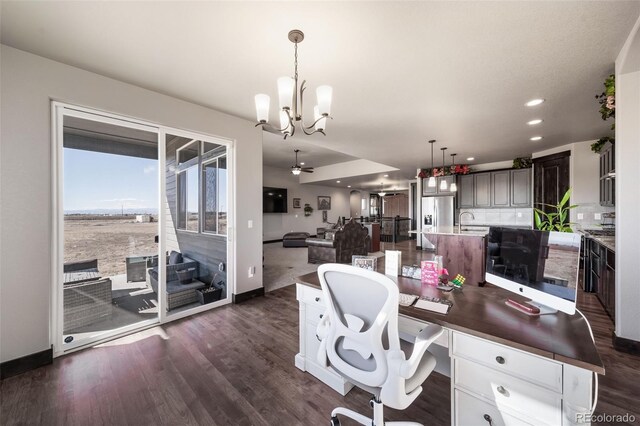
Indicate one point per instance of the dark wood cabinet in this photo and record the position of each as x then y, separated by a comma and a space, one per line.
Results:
465, 191
482, 190
607, 175
603, 276
500, 188
551, 175
521, 188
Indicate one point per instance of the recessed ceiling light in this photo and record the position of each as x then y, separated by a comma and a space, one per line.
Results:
302, 163
337, 181
386, 176
534, 122
536, 138
471, 158
534, 102
348, 186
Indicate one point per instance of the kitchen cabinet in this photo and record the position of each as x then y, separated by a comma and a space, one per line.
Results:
602, 275
521, 188
607, 175
482, 190
465, 191
500, 188
427, 191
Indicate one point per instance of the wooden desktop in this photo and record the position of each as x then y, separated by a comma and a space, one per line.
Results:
504, 365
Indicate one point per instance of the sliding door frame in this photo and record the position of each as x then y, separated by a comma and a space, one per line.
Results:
56, 324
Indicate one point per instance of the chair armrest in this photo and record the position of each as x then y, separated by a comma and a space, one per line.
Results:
426, 337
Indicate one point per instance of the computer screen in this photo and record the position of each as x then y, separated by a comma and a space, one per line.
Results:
540, 265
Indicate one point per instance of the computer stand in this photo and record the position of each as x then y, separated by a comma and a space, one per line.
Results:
530, 307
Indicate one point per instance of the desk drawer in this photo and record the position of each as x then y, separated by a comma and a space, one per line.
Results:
314, 314
409, 329
542, 371
310, 295
470, 411
533, 402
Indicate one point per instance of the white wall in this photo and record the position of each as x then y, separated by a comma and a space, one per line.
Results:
29, 83
627, 184
275, 225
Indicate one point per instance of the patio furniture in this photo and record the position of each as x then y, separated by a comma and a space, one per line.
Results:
137, 267
295, 239
177, 294
86, 296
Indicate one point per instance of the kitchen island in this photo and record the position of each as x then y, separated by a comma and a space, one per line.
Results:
462, 253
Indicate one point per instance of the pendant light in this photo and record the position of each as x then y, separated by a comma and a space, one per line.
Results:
431, 183
381, 193
454, 186
443, 182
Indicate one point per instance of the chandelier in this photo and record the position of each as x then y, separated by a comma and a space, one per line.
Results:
290, 110
381, 193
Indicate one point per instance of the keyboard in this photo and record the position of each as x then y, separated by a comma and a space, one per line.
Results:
406, 299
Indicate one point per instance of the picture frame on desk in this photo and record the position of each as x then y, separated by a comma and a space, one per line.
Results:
369, 263
412, 271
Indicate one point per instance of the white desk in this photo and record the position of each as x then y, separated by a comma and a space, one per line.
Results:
508, 373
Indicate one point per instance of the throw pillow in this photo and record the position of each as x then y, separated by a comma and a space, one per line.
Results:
175, 258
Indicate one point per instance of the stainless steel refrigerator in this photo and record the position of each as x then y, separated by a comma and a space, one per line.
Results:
437, 215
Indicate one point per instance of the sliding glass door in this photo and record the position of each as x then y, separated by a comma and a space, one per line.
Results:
143, 217
110, 199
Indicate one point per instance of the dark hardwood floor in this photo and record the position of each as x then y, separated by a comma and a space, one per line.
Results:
235, 366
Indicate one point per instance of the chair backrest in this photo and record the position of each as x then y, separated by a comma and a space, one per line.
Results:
363, 317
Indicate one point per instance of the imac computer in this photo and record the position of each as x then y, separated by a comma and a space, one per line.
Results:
540, 265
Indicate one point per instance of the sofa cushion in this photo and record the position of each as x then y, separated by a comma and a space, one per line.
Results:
319, 242
175, 258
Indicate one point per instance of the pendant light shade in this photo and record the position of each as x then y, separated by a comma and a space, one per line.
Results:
381, 193
443, 182
262, 107
285, 92
431, 183
324, 94
454, 186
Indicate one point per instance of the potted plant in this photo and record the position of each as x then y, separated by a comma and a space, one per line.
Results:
557, 220
607, 100
308, 210
522, 163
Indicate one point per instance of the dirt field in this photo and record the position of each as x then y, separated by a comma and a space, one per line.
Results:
109, 240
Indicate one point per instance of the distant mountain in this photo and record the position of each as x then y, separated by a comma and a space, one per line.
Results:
114, 212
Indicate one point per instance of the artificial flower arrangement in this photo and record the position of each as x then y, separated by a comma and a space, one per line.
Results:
457, 169
607, 100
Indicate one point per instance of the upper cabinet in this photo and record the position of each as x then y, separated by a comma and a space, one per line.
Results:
608, 175
503, 188
427, 190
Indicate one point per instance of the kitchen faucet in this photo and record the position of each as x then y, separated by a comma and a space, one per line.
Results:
460, 219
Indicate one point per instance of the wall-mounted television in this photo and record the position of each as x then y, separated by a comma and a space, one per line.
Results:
274, 200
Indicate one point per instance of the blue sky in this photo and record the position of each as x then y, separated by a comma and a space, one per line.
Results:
94, 180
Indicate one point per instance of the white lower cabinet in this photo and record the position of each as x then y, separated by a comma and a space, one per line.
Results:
472, 411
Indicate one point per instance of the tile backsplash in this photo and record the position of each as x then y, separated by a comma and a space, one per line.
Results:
584, 216
508, 217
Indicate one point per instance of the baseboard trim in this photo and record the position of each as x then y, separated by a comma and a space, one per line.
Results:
243, 297
26, 363
625, 345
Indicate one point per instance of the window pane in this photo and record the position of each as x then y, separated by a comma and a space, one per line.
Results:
192, 198
222, 195
181, 193
189, 152
208, 146
210, 202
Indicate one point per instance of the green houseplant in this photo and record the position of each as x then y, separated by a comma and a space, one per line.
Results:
557, 220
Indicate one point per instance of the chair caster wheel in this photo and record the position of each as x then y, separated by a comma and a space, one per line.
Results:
335, 421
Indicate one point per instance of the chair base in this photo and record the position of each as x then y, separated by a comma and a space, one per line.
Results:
377, 420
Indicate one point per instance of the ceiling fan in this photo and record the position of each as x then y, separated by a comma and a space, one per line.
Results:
297, 168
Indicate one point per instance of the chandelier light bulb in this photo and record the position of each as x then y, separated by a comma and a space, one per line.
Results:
322, 122
262, 107
285, 92
324, 95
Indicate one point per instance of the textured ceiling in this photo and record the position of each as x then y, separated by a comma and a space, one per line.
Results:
402, 72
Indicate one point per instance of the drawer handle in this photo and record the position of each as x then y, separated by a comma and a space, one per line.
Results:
502, 390
488, 419
499, 360
317, 299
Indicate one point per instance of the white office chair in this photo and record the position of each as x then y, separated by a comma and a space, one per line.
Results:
359, 339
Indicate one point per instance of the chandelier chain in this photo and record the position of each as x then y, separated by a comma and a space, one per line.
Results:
295, 62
